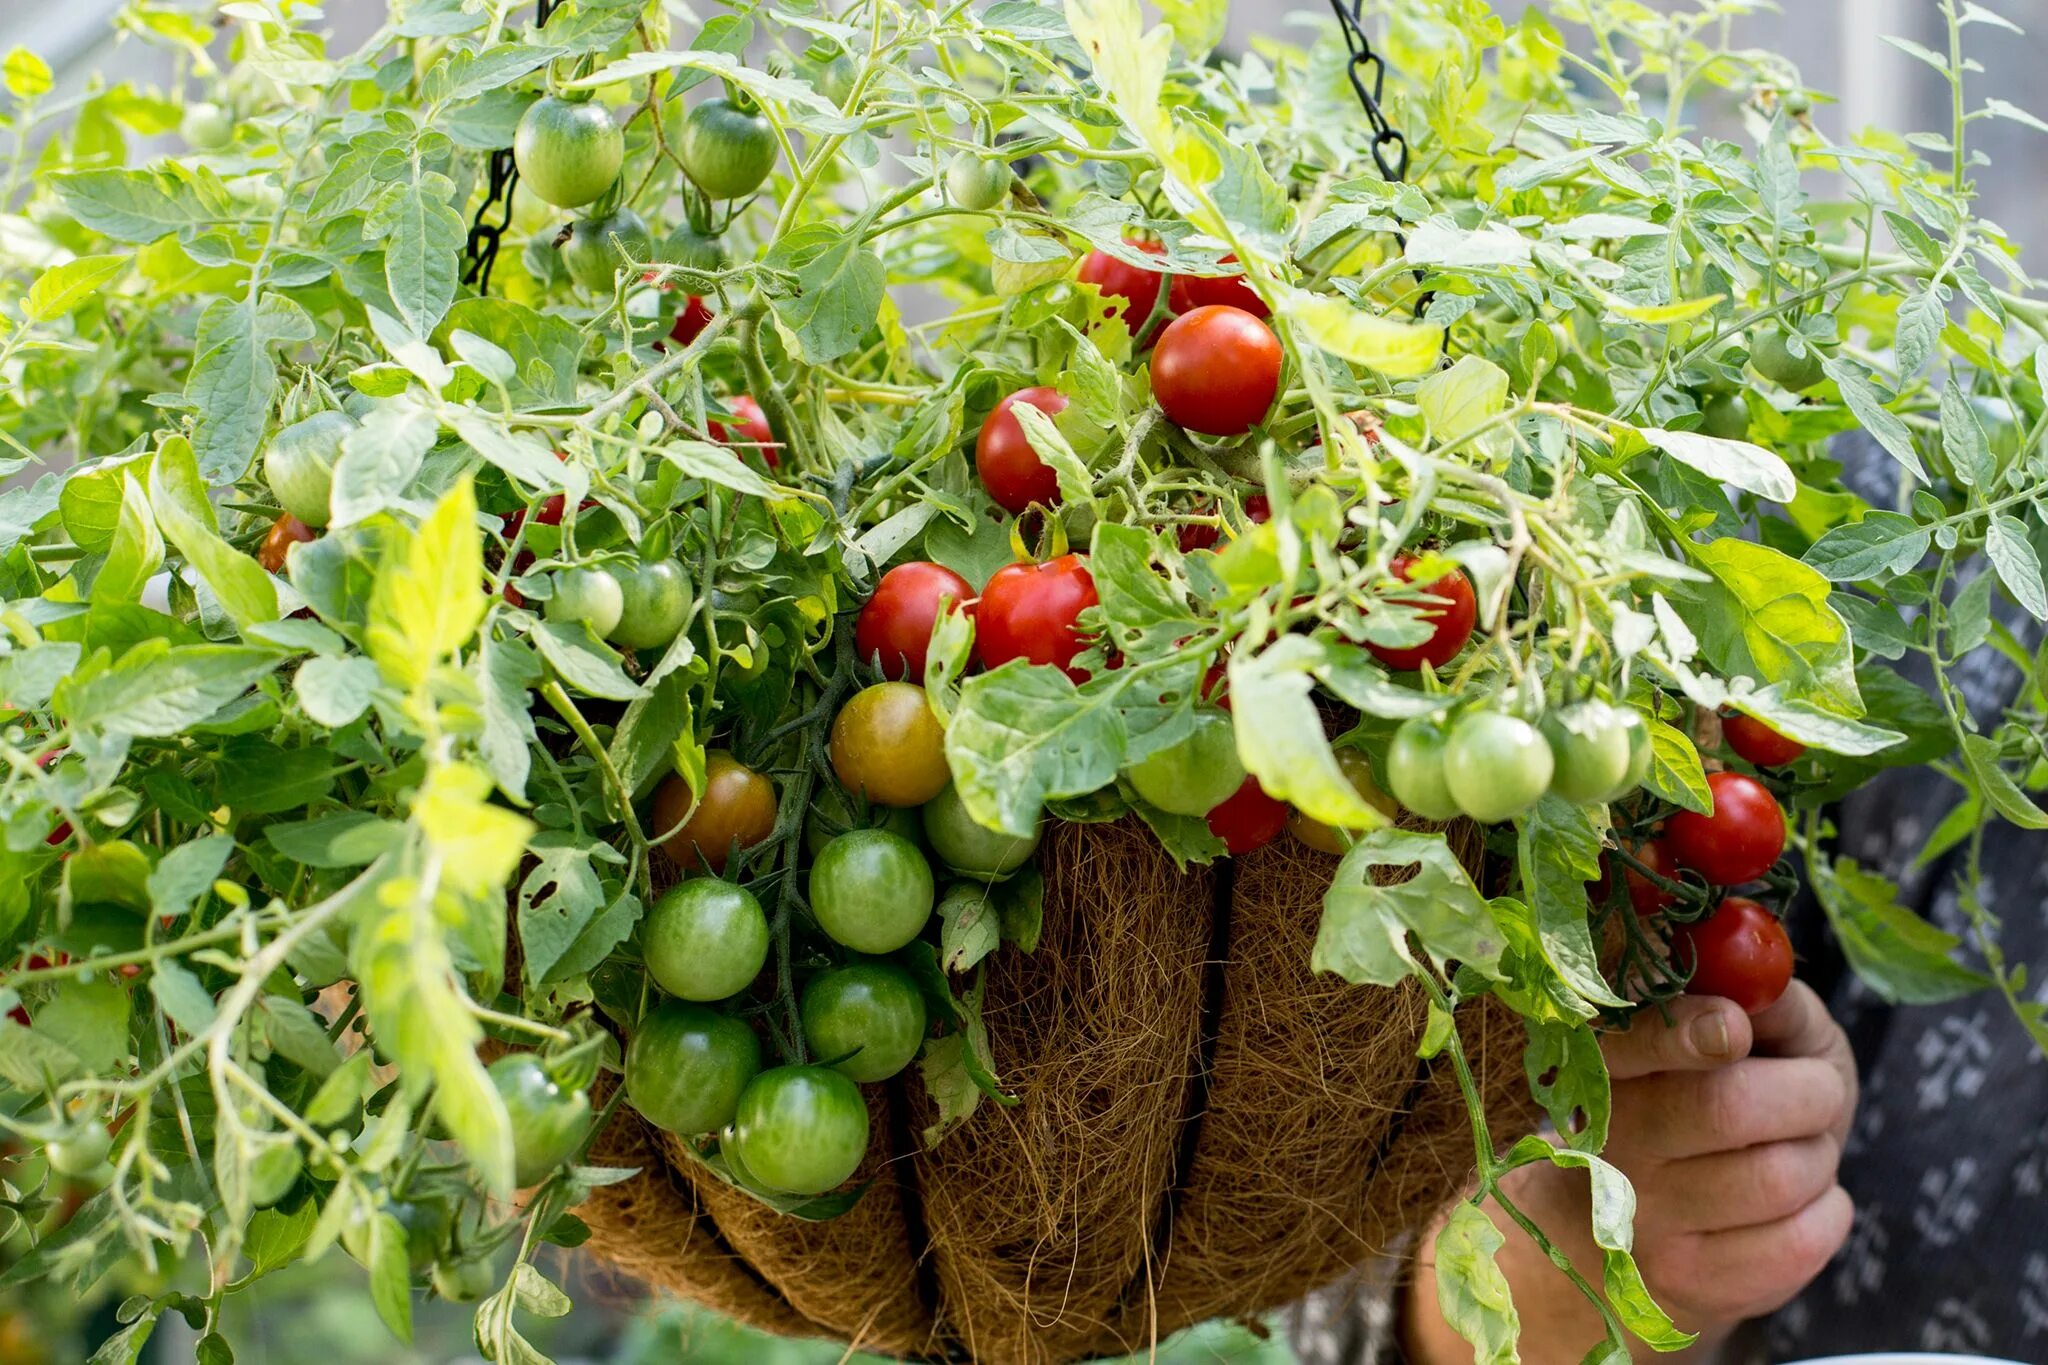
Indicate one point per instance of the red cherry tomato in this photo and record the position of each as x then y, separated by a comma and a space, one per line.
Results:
1454, 617
1216, 370
1740, 953
694, 318
1028, 611
1009, 468
284, 533
1188, 292
1739, 841
750, 428
1249, 819
1137, 288
895, 627
1756, 742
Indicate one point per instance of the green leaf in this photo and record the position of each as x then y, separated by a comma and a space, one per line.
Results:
178, 497
1748, 467
156, 690
429, 592
840, 287
1963, 439
136, 553
503, 674
61, 288
1996, 786
1458, 401
1471, 1290
583, 661
1558, 852
2019, 567
1393, 346
183, 1000
185, 873
26, 75
141, 206
422, 236
390, 1275
1867, 401
1676, 773
297, 1035
344, 839
1881, 543
1286, 750
1767, 617
89, 1019
1024, 735
380, 458
233, 377
1364, 935
1899, 955
333, 692
1568, 1076
557, 899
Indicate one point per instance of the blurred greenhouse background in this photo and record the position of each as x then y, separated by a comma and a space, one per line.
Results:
320, 1315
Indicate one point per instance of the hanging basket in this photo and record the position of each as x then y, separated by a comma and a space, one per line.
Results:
1205, 1129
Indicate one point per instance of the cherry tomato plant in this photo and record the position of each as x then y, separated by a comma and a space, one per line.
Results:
598, 638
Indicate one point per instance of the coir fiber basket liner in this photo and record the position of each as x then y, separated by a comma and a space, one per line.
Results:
1206, 1129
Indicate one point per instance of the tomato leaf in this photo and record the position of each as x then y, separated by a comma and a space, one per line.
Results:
1023, 735
1557, 851
1365, 932
1899, 955
1472, 1292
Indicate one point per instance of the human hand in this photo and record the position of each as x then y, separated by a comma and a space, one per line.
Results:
1731, 1129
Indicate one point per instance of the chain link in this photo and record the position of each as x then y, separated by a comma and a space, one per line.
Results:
480, 252
1368, 73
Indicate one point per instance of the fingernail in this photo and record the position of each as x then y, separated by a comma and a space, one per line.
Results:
1709, 1034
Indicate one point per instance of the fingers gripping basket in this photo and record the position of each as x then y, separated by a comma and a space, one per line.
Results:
1206, 1129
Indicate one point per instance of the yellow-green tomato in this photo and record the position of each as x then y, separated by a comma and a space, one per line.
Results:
568, 151
968, 847
1496, 766
1195, 775
1415, 770
705, 939
865, 1021
299, 464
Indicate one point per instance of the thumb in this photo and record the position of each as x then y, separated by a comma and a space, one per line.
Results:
1705, 1032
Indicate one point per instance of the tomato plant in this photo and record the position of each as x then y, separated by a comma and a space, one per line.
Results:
1739, 842
1189, 292
568, 151
654, 601
1740, 952
1194, 775
1009, 468
889, 747
737, 808
969, 847
299, 465
1248, 819
1216, 370
728, 147
1755, 742
1495, 766
750, 428
548, 1122
1032, 612
1135, 288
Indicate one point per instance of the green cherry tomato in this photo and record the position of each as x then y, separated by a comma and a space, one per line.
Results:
80, 1151
706, 939
591, 596
977, 181
865, 1021
207, 126
426, 1223
1196, 775
1589, 749
728, 150
969, 848
299, 464
548, 1122
871, 890
568, 151
697, 250
1773, 358
1725, 415
599, 248
1415, 770
1640, 752
1496, 766
686, 1067
801, 1129
657, 601
464, 1281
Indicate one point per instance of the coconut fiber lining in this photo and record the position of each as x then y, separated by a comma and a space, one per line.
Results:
1204, 1128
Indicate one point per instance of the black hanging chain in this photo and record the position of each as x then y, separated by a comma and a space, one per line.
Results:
1368, 72
480, 252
